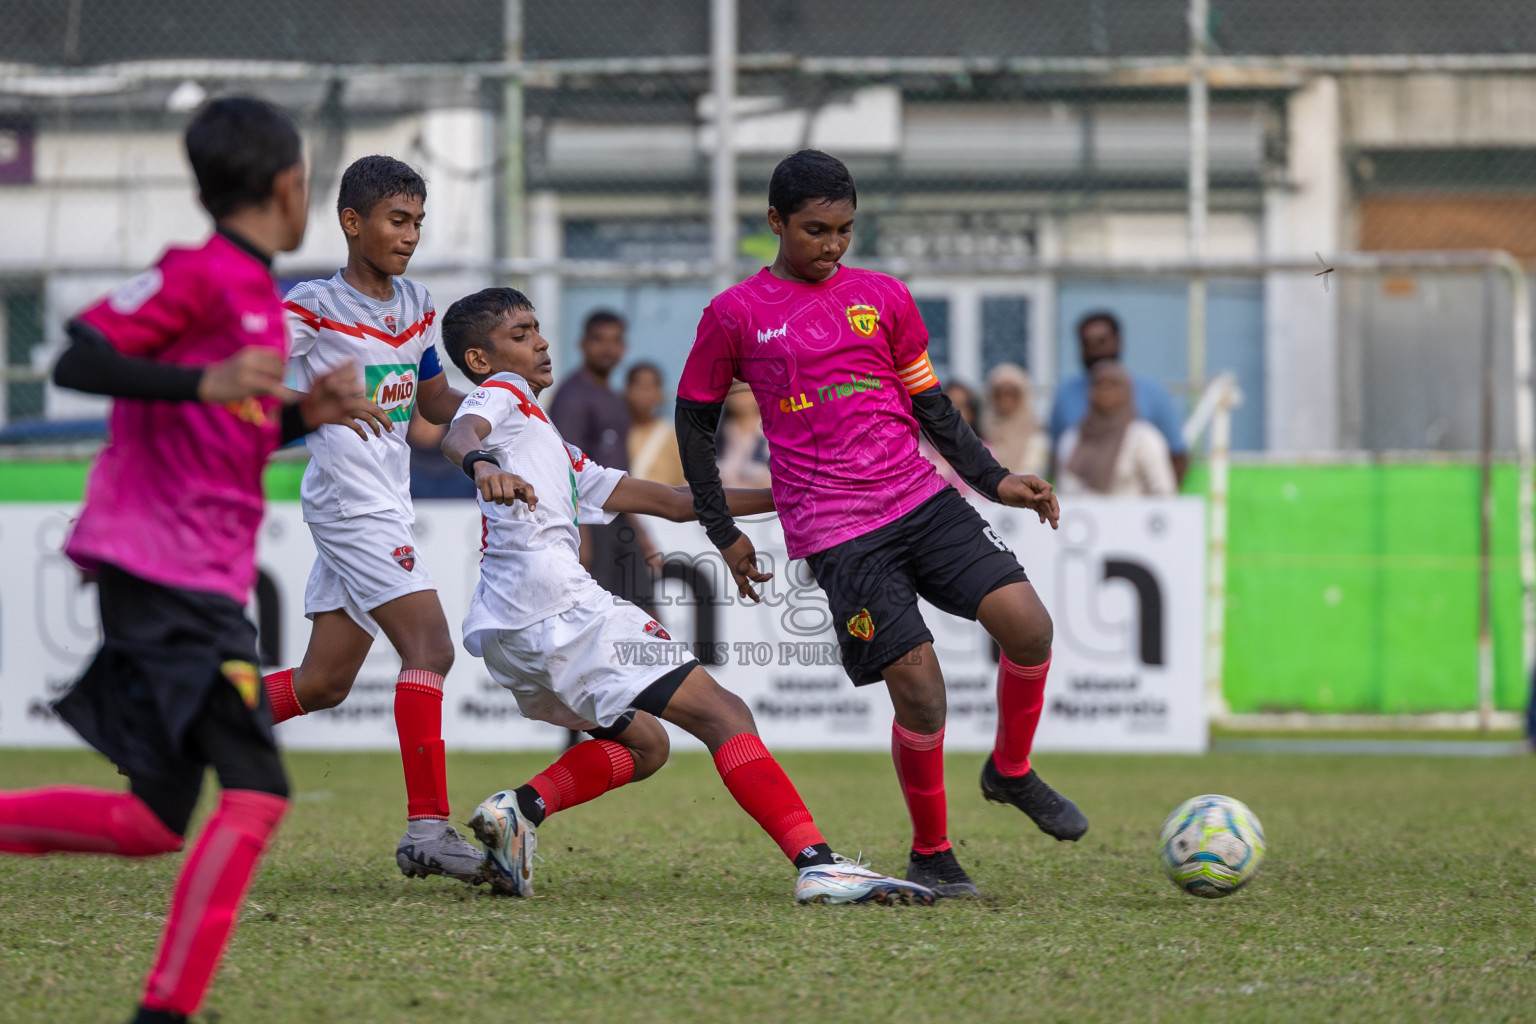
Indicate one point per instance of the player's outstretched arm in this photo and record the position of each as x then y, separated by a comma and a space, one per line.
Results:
646, 497
94, 365
462, 444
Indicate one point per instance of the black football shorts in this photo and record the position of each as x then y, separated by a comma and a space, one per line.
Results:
942, 551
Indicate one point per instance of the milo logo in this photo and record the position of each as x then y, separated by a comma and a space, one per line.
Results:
392, 387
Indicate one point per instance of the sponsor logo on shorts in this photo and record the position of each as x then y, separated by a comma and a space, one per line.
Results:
655, 629
864, 320
861, 626
406, 556
245, 679
392, 386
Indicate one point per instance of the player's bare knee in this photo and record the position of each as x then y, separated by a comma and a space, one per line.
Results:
1031, 644
432, 654
650, 758
647, 742
317, 694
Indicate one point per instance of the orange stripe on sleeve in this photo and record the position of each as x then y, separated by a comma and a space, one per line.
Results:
918, 375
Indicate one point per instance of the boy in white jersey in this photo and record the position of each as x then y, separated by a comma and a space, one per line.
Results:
575, 655
368, 574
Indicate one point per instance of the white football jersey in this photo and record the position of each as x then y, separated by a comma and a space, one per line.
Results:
530, 566
393, 344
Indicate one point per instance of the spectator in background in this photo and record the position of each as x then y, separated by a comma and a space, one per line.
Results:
1098, 336
742, 446
653, 453
592, 416
1010, 426
964, 401
433, 476
1111, 451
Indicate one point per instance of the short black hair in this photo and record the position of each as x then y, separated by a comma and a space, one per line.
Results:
1100, 314
237, 146
807, 176
600, 318
373, 179
469, 320
642, 367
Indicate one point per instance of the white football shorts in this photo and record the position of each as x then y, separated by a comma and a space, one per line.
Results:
582, 668
361, 563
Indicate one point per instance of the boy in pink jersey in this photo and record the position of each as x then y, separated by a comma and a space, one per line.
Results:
837, 360
192, 350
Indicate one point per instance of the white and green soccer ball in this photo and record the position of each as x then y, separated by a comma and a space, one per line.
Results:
1211, 846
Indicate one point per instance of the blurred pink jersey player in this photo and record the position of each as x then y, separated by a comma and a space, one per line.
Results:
192, 352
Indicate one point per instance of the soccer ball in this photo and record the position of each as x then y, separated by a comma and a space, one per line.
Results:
1211, 846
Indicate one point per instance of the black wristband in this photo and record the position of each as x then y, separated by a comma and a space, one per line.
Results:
478, 455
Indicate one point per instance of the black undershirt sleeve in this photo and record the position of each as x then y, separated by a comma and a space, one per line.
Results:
293, 425
954, 439
92, 365
696, 426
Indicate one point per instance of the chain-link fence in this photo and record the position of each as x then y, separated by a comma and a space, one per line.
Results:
575, 147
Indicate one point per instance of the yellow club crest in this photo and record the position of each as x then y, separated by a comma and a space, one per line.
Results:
864, 319
245, 679
861, 625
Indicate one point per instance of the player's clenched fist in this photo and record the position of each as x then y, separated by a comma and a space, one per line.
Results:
1032, 493
499, 487
252, 372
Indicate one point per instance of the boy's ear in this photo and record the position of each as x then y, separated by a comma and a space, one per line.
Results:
351, 222
775, 222
476, 359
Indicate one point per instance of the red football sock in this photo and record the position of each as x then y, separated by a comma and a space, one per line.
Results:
419, 723
80, 820
280, 696
765, 792
920, 770
207, 900
585, 772
1020, 698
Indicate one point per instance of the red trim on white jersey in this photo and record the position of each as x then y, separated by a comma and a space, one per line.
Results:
361, 331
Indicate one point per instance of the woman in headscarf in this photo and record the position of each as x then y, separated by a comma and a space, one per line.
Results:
743, 449
1010, 425
1111, 451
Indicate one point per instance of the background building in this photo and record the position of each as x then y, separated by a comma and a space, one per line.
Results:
1015, 162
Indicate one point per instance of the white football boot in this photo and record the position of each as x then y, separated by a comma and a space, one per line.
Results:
849, 881
438, 849
509, 841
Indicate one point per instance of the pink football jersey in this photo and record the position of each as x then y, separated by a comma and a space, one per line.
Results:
833, 365
176, 495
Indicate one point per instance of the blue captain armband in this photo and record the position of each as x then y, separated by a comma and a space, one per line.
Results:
429, 367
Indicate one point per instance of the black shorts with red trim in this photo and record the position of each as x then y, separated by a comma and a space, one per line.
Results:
942, 551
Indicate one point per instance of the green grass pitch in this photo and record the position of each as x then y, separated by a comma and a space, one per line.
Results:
1396, 889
